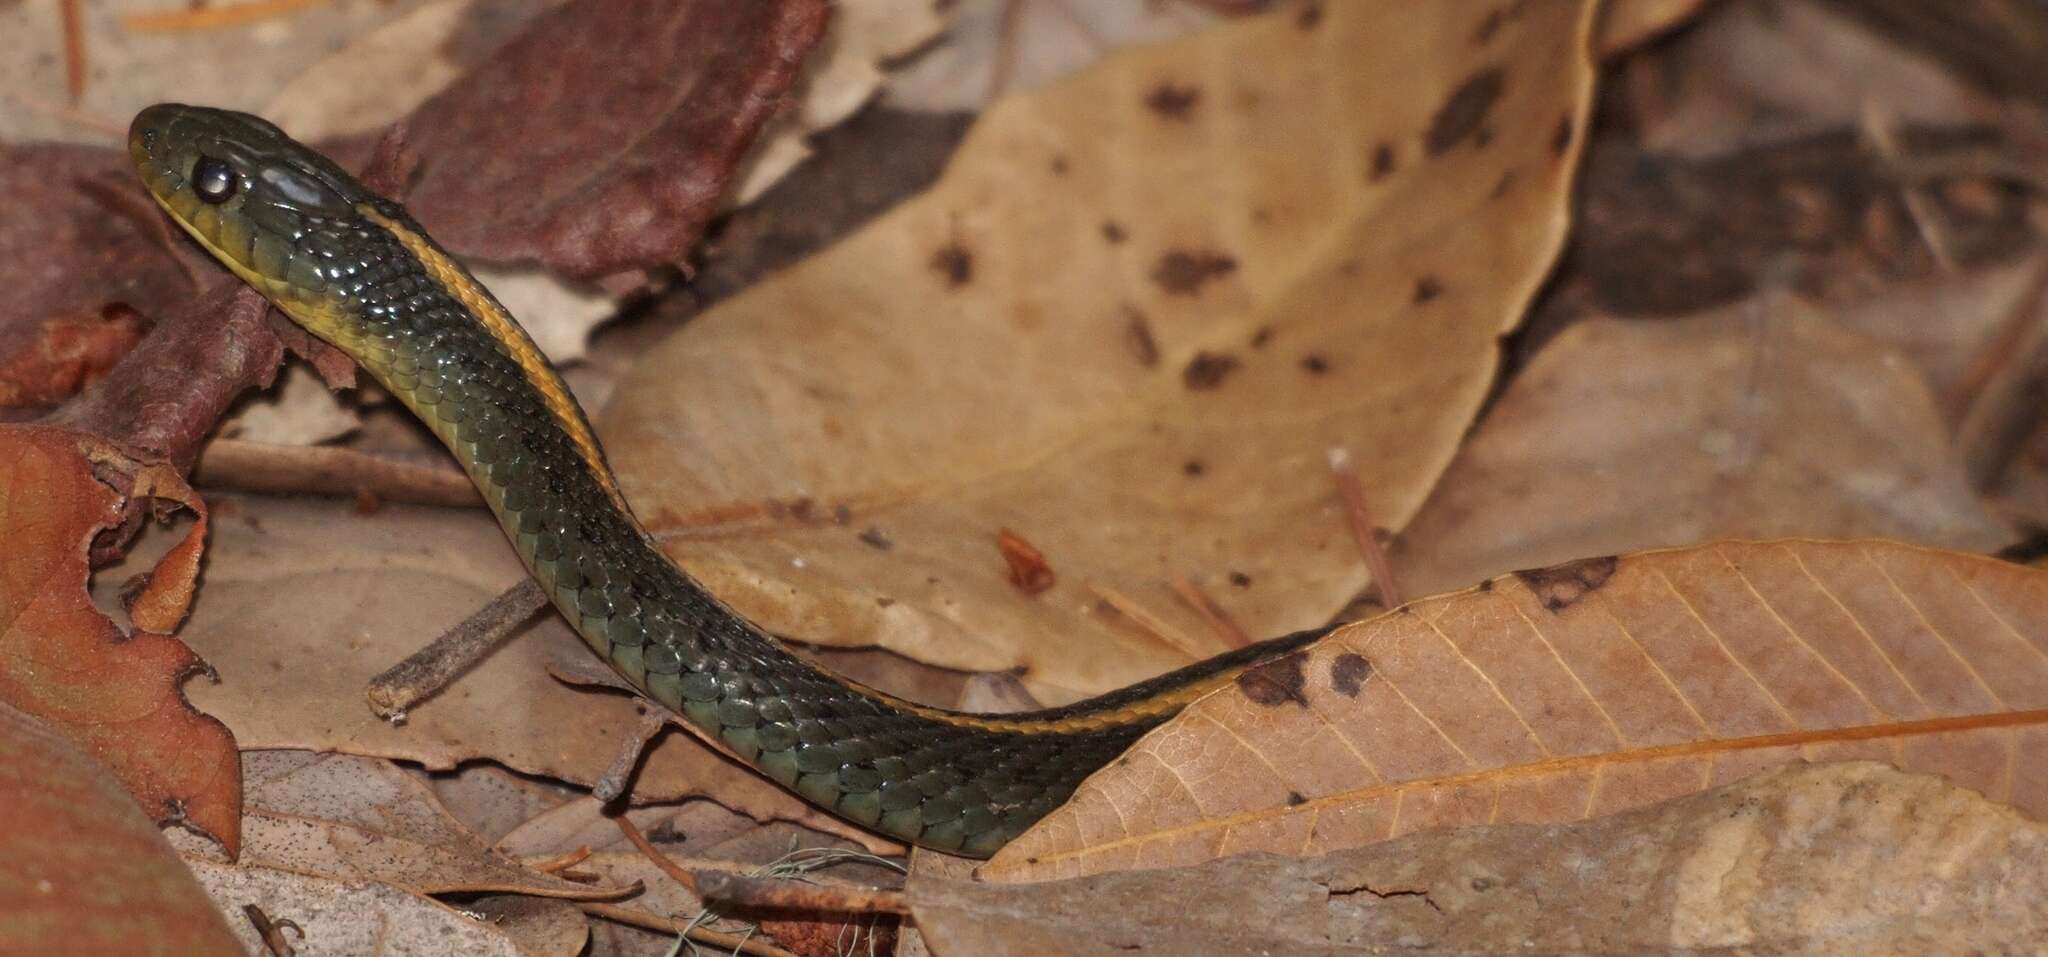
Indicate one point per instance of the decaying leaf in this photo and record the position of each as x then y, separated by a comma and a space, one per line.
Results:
362, 819
1847, 858
1127, 324
1770, 420
339, 918
87, 872
113, 691
307, 600
1582, 689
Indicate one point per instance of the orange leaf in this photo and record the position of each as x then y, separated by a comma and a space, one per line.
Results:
1585, 689
116, 694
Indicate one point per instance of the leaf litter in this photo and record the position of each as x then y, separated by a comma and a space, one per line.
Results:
1865, 248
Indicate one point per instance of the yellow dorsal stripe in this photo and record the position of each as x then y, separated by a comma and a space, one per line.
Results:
502, 327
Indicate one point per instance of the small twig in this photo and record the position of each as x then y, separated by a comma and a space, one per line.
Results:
798, 895
1152, 624
560, 862
75, 70
431, 668
213, 18
330, 470
613, 782
654, 854
1218, 619
1363, 529
2003, 405
272, 931
730, 943
1877, 128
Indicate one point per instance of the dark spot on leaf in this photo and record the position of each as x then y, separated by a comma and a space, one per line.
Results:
1486, 585
1207, 369
1349, 673
884, 602
841, 514
1487, 28
1261, 336
1241, 579
1427, 288
1500, 186
1382, 162
1193, 468
1294, 799
1562, 139
1113, 232
1314, 364
1138, 335
1059, 166
1183, 273
954, 262
1466, 111
873, 538
1560, 586
1172, 102
1309, 17
1277, 682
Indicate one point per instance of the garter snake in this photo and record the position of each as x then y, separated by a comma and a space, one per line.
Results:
355, 269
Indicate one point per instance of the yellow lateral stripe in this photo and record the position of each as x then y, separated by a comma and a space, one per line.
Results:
538, 371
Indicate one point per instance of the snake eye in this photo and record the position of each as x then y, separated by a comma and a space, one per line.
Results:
213, 180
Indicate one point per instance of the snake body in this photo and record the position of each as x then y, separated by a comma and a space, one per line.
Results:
354, 268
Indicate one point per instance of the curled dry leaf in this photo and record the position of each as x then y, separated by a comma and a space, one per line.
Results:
1847, 858
1127, 324
87, 872
362, 819
1770, 420
1583, 689
306, 600
113, 691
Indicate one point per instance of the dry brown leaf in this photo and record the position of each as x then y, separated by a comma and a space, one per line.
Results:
1583, 689
362, 819
306, 600
1763, 420
114, 691
86, 872
1128, 324
349, 918
1850, 858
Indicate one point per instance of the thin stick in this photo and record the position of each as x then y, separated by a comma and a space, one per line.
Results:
75, 70
730, 943
613, 782
213, 18
647, 848
329, 470
1363, 530
431, 668
1205, 606
1877, 128
1152, 624
798, 895
561, 862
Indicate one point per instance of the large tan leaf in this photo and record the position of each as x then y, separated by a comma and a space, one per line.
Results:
1583, 689
1763, 420
1127, 325
1849, 858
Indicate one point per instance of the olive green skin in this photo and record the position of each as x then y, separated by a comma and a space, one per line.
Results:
336, 257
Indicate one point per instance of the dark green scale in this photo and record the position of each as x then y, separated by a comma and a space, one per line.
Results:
300, 229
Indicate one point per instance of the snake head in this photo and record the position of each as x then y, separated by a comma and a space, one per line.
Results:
260, 201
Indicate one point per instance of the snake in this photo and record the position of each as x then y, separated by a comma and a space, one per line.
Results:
356, 270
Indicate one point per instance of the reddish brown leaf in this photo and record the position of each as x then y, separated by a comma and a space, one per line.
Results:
86, 872
603, 138
116, 694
